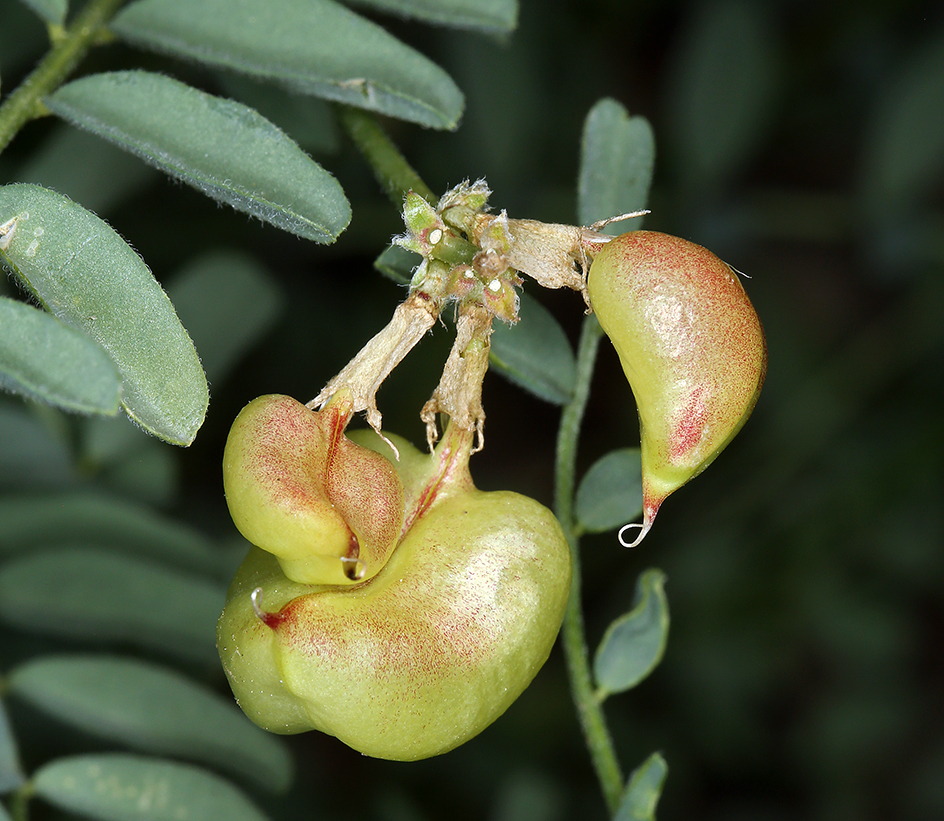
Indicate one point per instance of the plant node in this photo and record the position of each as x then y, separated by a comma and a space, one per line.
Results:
471, 258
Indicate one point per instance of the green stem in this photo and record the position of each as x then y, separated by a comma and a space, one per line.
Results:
589, 711
395, 175
25, 102
19, 803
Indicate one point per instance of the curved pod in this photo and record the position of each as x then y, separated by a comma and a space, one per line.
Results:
691, 346
423, 656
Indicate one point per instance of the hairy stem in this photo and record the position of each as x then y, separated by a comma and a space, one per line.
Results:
395, 175
589, 711
25, 102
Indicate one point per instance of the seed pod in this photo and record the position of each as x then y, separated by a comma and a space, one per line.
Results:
425, 654
296, 486
691, 346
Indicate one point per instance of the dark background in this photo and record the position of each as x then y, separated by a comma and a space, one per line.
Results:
802, 142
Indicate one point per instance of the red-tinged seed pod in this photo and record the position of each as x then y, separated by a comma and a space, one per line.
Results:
691, 346
296, 486
429, 651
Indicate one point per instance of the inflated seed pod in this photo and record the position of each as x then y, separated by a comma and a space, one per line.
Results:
426, 653
691, 346
299, 488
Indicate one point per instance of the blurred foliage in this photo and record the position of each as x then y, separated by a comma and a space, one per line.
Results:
802, 142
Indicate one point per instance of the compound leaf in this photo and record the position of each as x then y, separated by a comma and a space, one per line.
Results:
29, 521
643, 791
154, 710
317, 47
634, 644
225, 149
117, 787
90, 278
610, 493
45, 359
616, 164
85, 592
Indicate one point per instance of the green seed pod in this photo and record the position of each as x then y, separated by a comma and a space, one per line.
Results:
431, 650
691, 346
296, 486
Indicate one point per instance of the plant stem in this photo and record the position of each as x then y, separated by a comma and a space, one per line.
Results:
25, 102
395, 175
19, 803
589, 711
